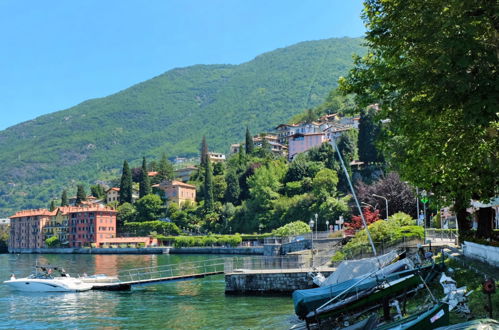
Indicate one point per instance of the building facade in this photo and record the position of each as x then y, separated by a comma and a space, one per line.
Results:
178, 192
299, 143
26, 228
74, 226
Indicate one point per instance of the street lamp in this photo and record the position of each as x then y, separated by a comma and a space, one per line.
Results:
311, 224
368, 205
386, 201
316, 224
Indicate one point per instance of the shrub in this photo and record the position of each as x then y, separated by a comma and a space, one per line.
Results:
403, 219
291, 229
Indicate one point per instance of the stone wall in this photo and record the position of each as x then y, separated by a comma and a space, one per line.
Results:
280, 281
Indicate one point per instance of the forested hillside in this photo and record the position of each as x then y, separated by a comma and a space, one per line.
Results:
169, 113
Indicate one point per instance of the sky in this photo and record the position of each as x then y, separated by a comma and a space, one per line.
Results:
57, 54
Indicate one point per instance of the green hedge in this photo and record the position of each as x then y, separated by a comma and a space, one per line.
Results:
199, 241
148, 227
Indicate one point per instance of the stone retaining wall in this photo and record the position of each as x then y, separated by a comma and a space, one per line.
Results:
92, 250
280, 281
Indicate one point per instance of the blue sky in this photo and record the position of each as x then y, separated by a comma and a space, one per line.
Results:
56, 54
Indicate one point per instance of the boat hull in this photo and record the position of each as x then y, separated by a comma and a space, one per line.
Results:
47, 285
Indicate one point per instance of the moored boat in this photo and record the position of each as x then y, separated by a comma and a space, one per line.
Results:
45, 280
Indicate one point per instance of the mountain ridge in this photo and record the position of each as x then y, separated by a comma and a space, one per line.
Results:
167, 113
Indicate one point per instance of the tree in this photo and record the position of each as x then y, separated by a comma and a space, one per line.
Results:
249, 145
126, 184
64, 198
233, 191
165, 169
52, 205
52, 242
369, 131
357, 224
149, 208
98, 191
203, 152
208, 187
126, 213
81, 195
400, 195
144, 183
433, 68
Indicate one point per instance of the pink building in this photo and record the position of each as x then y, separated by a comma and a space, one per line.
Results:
26, 228
299, 143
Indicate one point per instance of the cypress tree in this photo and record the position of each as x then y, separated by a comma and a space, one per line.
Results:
204, 152
145, 183
52, 206
64, 198
208, 187
165, 170
80, 194
233, 190
250, 146
126, 184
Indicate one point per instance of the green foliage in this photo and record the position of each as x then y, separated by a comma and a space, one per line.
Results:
232, 192
403, 219
98, 191
199, 241
126, 184
292, 228
126, 213
64, 198
145, 182
148, 227
52, 242
249, 145
150, 207
81, 195
165, 170
384, 232
208, 187
433, 68
169, 112
369, 132
4, 239
203, 152
52, 206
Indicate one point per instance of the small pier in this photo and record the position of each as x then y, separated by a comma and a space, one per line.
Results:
242, 274
165, 273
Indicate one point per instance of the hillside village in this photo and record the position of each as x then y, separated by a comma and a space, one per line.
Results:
92, 220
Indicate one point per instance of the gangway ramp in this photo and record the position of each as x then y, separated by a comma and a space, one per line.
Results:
166, 273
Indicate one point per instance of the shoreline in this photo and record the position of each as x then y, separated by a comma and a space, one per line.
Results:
150, 250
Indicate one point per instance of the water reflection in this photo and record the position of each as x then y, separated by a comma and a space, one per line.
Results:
195, 304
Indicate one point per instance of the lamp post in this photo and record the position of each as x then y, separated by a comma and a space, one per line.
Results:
368, 205
386, 201
316, 224
311, 224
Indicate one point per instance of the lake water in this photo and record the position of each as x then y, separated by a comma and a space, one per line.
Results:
196, 304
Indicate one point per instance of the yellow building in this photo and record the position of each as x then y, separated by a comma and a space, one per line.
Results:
178, 192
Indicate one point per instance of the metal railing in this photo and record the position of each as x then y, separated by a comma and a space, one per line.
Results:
441, 234
215, 265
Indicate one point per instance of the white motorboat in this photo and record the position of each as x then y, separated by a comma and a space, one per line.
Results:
43, 281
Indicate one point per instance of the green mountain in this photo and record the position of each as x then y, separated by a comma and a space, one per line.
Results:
168, 113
